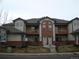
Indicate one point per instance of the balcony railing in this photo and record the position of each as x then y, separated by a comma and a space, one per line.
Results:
62, 32
32, 32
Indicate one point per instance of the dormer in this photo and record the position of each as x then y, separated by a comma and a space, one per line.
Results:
73, 25
20, 24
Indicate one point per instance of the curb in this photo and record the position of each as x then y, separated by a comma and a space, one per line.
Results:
38, 54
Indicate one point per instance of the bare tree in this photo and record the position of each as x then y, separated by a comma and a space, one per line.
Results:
1, 12
1, 16
5, 17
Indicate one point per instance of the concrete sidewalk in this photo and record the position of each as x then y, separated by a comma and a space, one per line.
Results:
15, 54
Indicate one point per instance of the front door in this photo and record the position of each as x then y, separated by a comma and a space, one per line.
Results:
47, 41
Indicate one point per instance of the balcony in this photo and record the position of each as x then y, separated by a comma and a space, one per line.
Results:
33, 32
62, 32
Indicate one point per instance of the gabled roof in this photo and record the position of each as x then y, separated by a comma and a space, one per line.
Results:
76, 18
20, 19
36, 20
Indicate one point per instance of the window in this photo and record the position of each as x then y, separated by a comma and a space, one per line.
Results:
44, 23
58, 38
49, 23
44, 26
61, 38
18, 24
33, 28
50, 26
61, 29
56, 29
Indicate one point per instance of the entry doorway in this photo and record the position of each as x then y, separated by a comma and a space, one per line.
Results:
47, 41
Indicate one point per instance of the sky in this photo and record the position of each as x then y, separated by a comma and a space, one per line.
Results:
26, 9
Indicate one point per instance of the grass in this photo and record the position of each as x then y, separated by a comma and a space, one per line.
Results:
37, 49
68, 48
2, 49
29, 49
40, 49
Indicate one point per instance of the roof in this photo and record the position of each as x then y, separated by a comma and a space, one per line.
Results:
8, 24
76, 18
14, 30
20, 19
60, 21
36, 20
33, 20
10, 28
2, 28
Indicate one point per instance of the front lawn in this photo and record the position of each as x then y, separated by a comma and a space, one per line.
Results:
68, 48
29, 49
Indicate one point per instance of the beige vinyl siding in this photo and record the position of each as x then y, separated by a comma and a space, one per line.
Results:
70, 28
14, 37
74, 25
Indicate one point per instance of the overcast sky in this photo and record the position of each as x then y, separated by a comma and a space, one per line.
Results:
62, 9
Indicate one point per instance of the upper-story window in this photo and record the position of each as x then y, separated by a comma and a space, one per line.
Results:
49, 24
33, 28
44, 24
61, 29
18, 24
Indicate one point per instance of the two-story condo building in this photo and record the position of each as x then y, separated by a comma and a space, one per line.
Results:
43, 31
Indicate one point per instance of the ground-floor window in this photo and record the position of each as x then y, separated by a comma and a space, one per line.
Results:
33, 38
61, 38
